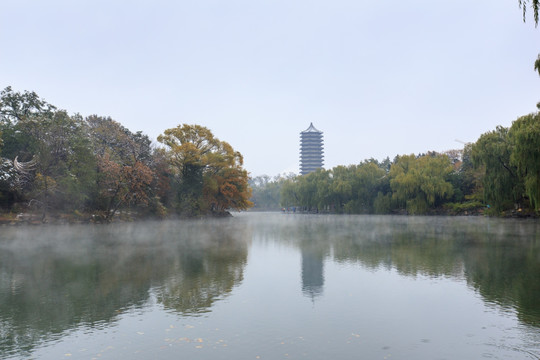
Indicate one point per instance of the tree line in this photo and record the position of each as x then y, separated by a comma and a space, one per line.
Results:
60, 165
498, 174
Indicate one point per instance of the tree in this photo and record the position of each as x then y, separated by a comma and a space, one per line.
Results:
210, 173
340, 187
227, 189
56, 144
313, 190
124, 161
535, 5
525, 156
16, 106
367, 180
122, 185
537, 68
502, 186
420, 183
109, 136
266, 191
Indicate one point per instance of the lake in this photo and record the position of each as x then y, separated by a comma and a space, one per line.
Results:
273, 286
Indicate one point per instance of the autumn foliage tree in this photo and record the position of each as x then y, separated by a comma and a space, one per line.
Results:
124, 175
121, 184
209, 172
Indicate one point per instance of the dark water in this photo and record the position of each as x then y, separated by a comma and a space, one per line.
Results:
273, 286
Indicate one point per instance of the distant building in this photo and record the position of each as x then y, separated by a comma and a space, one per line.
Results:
311, 150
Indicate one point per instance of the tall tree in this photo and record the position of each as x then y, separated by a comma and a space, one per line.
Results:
65, 162
491, 152
14, 108
368, 179
420, 182
210, 171
124, 162
525, 156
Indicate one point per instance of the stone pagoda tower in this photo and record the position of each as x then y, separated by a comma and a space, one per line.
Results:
311, 150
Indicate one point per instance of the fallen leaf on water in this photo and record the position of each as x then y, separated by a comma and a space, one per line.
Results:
68, 354
199, 340
198, 346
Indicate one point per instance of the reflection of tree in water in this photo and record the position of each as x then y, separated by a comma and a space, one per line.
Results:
499, 258
204, 274
56, 279
45, 291
507, 273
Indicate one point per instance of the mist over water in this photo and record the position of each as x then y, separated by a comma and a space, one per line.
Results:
273, 285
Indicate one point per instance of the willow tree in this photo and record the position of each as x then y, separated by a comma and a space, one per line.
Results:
534, 4
491, 154
525, 137
210, 172
420, 183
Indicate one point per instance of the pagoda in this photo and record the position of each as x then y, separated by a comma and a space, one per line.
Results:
311, 150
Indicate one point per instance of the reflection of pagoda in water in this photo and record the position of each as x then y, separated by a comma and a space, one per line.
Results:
312, 273
311, 150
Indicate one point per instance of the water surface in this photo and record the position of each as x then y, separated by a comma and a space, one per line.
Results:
273, 286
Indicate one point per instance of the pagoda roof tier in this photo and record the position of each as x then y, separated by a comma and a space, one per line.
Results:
311, 129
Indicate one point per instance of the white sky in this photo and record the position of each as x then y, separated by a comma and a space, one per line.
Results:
379, 78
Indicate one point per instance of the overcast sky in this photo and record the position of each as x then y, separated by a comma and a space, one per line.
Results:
379, 78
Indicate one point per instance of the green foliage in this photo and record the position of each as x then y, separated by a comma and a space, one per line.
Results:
420, 183
491, 152
64, 171
525, 156
64, 151
96, 165
343, 189
288, 193
535, 5
266, 192
382, 203
468, 207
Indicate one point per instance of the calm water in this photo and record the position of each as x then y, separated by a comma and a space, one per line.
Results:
273, 286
